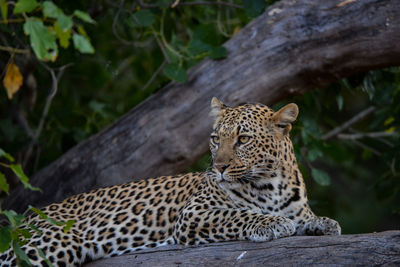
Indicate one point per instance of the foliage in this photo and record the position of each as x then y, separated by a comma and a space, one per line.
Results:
142, 45
16, 232
364, 192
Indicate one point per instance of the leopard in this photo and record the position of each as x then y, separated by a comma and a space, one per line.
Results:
253, 191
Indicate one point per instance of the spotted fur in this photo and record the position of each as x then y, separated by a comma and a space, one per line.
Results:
254, 191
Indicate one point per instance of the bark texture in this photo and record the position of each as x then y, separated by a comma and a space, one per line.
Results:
295, 46
378, 249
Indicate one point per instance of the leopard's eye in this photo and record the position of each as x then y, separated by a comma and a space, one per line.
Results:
215, 139
243, 139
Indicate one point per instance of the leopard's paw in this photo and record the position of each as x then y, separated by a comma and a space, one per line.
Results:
273, 228
322, 226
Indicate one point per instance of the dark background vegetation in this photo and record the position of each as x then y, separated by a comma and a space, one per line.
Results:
356, 181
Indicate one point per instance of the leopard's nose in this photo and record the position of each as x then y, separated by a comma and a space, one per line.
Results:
221, 167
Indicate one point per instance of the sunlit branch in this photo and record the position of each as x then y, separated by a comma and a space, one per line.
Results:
14, 50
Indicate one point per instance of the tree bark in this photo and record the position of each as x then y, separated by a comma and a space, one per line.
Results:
349, 250
295, 46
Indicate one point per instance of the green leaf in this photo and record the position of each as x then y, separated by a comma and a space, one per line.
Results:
5, 238
14, 218
141, 18
39, 212
4, 9
17, 169
23, 6
175, 72
197, 47
50, 10
83, 16
339, 100
314, 153
63, 36
24, 232
82, 32
65, 22
207, 33
35, 228
254, 8
68, 225
43, 41
82, 44
3, 183
21, 255
218, 52
6, 155
43, 256
321, 177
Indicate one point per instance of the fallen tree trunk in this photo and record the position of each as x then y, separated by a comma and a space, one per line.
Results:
350, 250
293, 47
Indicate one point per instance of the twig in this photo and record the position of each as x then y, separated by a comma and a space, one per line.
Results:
54, 88
376, 152
155, 74
24, 123
382, 140
363, 135
160, 44
116, 34
176, 2
348, 123
14, 50
219, 23
11, 21
114, 25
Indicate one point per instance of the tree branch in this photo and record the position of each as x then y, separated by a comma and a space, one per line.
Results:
14, 50
348, 123
53, 91
355, 136
345, 250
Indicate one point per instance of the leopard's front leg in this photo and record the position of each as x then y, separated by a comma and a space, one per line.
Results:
213, 225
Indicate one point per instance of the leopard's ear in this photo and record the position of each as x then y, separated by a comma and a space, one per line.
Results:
283, 118
217, 109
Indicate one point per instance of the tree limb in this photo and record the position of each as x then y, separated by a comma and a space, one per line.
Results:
346, 250
293, 47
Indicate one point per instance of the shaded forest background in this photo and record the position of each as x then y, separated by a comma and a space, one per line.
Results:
139, 46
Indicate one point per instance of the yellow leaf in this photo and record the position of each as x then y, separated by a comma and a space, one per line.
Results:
13, 79
388, 121
390, 130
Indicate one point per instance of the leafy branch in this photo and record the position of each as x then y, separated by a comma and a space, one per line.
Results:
16, 231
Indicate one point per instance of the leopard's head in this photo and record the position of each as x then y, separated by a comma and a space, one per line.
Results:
251, 141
